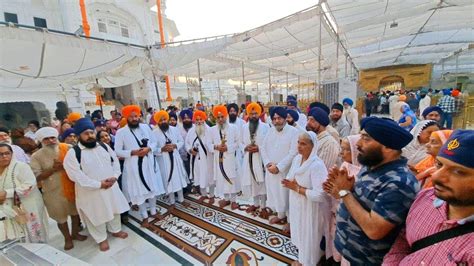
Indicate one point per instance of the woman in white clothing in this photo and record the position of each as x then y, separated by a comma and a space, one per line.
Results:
309, 204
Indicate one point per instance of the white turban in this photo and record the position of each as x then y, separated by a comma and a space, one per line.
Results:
46, 132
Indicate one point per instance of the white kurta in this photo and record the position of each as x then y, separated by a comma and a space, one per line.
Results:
184, 133
201, 171
253, 186
278, 148
302, 120
424, 103
179, 178
239, 155
352, 117
229, 160
299, 127
309, 214
132, 186
98, 205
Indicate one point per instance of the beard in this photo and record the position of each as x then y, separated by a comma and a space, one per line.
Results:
7, 141
223, 126
371, 158
232, 118
253, 125
133, 124
291, 123
51, 151
89, 143
164, 127
312, 129
200, 130
187, 124
279, 128
465, 200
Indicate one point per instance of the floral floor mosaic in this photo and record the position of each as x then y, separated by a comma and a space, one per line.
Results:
215, 236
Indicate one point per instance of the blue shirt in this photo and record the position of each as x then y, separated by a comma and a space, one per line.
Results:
388, 190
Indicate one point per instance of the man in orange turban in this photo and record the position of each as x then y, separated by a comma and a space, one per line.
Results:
73, 117
169, 141
135, 142
225, 141
253, 175
202, 159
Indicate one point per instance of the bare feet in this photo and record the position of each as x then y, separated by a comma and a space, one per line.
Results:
104, 245
276, 220
265, 213
68, 245
157, 216
145, 223
223, 203
211, 200
251, 209
120, 234
286, 229
79, 237
202, 199
234, 206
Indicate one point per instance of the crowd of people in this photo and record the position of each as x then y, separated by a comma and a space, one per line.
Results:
348, 191
406, 107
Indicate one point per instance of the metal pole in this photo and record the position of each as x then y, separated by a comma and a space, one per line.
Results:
199, 79
219, 90
337, 57
299, 88
243, 79
269, 86
156, 89
256, 98
345, 68
287, 86
320, 49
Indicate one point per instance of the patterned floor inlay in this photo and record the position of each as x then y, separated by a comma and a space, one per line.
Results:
191, 234
217, 236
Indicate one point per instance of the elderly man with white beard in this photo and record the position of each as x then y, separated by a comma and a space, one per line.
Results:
253, 174
202, 157
278, 151
169, 142
47, 165
224, 142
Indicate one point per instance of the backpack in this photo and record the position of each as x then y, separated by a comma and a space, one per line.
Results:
78, 151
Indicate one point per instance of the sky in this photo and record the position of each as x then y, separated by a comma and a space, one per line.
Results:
205, 18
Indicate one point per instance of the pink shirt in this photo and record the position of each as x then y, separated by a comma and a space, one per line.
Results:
429, 215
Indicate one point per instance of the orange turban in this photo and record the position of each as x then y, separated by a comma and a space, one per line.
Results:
73, 117
129, 109
455, 93
219, 109
442, 135
199, 113
402, 98
160, 114
254, 107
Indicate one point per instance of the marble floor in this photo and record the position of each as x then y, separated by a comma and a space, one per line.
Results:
199, 234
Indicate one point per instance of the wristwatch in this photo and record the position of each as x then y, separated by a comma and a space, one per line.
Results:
343, 193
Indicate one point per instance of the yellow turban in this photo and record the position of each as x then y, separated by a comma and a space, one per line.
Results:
219, 109
254, 107
73, 117
159, 115
129, 109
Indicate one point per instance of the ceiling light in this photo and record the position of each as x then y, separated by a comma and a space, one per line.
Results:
394, 25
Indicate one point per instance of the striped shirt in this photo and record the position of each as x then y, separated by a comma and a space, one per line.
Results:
447, 104
328, 149
427, 216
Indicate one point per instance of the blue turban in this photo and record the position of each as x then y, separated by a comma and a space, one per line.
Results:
293, 114
67, 133
187, 112
281, 111
431, 109
290, 98
386, 132
82, 125
348, 101
173, 114
320, 115
337, 106
320, 105
447, 91
100, 123
232, 105
459, 147
292, 103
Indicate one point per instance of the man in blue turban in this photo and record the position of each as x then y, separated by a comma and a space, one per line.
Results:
292, 119
374, 207
292, 104
351, 115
